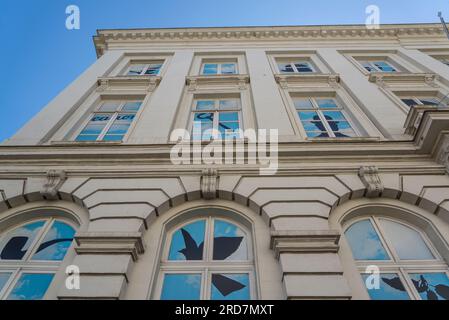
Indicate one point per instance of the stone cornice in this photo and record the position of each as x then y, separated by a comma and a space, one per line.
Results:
149, 82
388, 78
285, 80
240, 81
348, 32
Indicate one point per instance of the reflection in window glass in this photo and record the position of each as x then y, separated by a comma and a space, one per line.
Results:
365, 242
228, 68
31, 286
3, 279
230, 287
391, 288
56, 242
407, 242
13, 246
188, 242
181, 287
229, 242
431, 286
210, 68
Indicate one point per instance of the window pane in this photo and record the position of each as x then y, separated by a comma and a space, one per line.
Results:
409, 102
15, 244
429, 101
368, 66
384, 66
408, 243
303, 104
229, 116
210, 68
205, 105
334, 115
4, 277
187, 243
86, 138
119, 128
203, 117
326, 103
132, 106
229, 242
303, 67
229, 104
31, 286
309, 116
312, 125
110, 137
317, 134
109, 106
431, 286
230, 287
136, 69
365, 242
391, 288
285, 67
153, 69
125, 118
93, 129
181, 287
228, 68
56, 242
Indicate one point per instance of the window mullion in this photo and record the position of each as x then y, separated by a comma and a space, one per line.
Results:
386, 242
108, 126
39, 238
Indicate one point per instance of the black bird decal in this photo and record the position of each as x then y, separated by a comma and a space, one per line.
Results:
223, 247
192, 251
225, 285
13, 250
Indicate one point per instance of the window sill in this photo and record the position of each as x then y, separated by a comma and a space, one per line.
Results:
341, 139
84, 143
382, 78
238, 80
286, 80
146, 81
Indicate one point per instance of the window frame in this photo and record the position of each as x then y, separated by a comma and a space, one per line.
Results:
372, 64
219, 68
207, 266
293, 65
27, 265
110, 123
395, 265
146, 66
216, 111
418, 101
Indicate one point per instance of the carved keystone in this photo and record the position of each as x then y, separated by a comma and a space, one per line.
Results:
55, 179
209, 182
371, 180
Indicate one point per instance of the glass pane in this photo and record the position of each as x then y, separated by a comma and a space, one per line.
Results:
15, 244
409, 102
230, 287
229, 116
391, 288
87, 138
429, 101
313, 125
205, 105
109, 106
303, 104
229, 104
365, 242
132, 106
326, 103
317, 134
368, 66
153, 69
93, 129
119, 128
431, 286
303, 67
285, 67
203, 117
309, 116
334, 115
100, 119
228, 68
384, 66
210, 68
31, 286
4, 277
187, 243
126, 118
113, 137
56, 242
181, 287
135, 69
229, 242
408, 243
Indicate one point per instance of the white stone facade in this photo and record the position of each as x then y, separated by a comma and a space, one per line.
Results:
123, 197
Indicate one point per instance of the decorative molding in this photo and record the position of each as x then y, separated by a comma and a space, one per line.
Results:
385, 79
148, 82
287, 80
110, 243
443, 152
371, 180
55, 179
209, 184
414, 118
304, 242
238, 81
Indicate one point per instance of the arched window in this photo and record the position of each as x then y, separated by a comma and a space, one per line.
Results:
207, 258
410, 267
30, 255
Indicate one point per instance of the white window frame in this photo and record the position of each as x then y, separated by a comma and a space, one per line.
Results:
216, 111
417, 99
319, 111
146, 66
219, 68
113, 114
293, 65
27, 265
207, 266
395, 265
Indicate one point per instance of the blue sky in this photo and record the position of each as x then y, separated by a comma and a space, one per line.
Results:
40, 56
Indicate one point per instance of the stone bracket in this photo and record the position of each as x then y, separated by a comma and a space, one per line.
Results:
209, 184
54, 182
304, 241
371, 180
442, 156
110, 243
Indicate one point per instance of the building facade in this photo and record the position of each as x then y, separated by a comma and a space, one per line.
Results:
362, 182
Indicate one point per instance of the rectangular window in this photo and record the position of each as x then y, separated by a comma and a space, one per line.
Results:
378, 66
221, 115
323, 118
151, 69
419, 101
111, 121
219, 68
295, 67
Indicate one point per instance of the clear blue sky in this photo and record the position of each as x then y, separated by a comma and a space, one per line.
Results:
41, 57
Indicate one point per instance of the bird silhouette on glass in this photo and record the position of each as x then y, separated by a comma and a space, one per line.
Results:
225, 285
13, 250
223, 247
